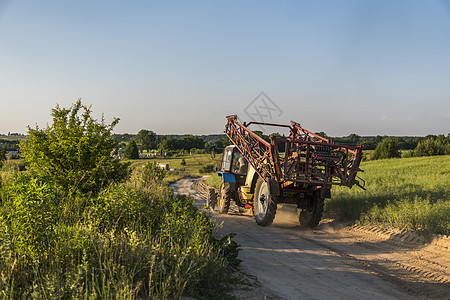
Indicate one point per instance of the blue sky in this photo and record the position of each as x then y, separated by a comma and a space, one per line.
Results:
364, 67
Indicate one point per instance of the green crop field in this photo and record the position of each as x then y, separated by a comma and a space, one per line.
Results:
192, 168
411, 193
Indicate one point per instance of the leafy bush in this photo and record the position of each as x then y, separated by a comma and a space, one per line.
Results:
207, 168
152, 174
433, 146
124, 243
197, 151
30, 206
75, 150
387, 148
407, 153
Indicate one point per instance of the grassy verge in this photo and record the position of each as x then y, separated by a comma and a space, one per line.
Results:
411, 193
134, 240
214, 180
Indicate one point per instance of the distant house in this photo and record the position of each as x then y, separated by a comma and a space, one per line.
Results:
14, 134
164, 166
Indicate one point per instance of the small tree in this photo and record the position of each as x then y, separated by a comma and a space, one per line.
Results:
75, 150
387, 148
152, 173
131, 150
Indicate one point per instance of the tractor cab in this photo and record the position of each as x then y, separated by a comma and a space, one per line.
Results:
234, 166
234, 172
233, 161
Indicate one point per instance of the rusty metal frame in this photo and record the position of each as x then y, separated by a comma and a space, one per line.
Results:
309, 159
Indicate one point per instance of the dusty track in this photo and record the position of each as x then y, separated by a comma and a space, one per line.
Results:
332, 262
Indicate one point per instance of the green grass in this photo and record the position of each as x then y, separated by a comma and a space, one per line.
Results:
192, 168
134, 240
214, 180
411, 193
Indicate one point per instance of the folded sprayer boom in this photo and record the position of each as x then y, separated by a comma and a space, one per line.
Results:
300, 158
299, 168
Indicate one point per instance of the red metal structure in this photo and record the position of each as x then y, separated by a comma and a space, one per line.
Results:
307, 159
298, 169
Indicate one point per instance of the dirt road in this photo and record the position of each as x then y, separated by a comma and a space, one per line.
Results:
332, 262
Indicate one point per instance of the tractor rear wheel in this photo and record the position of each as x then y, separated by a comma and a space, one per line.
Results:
224, 199
310, 215
265, 205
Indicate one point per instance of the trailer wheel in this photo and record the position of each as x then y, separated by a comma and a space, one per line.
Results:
224, 198
211, 201
310, 215
265, 205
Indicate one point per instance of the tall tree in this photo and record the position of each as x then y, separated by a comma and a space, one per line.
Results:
189, 141
131, 150
146, 140
354, 138
168, 143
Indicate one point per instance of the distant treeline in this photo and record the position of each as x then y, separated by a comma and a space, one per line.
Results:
149, 140
371, 142
392, 146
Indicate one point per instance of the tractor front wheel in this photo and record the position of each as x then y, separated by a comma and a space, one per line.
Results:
224, 199
265, 205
